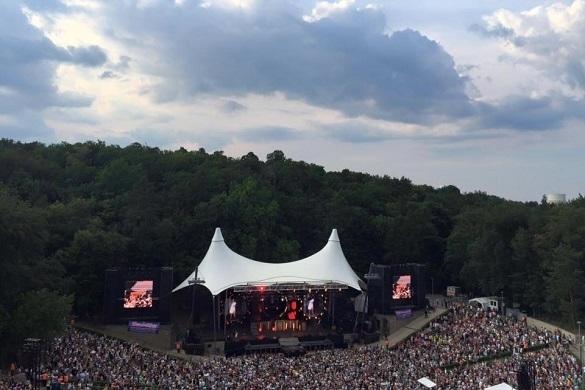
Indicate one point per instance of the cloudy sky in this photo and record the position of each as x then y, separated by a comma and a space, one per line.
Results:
485, 94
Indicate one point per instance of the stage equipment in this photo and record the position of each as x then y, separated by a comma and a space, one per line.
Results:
394, 287
137, 294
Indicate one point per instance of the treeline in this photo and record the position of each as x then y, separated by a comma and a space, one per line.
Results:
69, 211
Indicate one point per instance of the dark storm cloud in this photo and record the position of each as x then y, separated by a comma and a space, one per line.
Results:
345, 62
524, 113
28, 62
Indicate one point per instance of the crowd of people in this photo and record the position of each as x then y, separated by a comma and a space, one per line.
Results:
466, 348
555, 369
467, 334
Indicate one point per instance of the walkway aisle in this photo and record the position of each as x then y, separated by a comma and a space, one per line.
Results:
412, 327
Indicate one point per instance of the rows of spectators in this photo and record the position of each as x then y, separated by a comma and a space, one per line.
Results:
467, 334
464, 349
554, 369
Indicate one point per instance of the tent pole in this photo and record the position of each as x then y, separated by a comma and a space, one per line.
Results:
193, 306
333, 308
364, 313
225, 302
214, 319
218, 312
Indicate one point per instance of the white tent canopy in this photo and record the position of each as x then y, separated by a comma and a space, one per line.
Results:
501, 386
222, 268
426, 382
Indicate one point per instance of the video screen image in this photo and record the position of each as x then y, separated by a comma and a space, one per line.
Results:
401, 287
231, 307
138, 294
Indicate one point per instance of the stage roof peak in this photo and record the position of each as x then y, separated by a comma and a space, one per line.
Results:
222, 268
217, 236
334, 236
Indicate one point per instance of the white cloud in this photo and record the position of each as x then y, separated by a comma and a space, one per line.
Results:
88, 4
229, 4
324, 9
260, 75
548, 38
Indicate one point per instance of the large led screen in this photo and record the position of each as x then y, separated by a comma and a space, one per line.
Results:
138, 294
401, 287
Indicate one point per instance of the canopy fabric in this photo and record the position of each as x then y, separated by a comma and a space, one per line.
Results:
501, 386
426, 382
222, 268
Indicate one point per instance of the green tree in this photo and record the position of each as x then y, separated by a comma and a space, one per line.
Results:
92, 251
564, 284
41, 314
527, 274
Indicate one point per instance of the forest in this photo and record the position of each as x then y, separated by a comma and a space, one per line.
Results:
70, 211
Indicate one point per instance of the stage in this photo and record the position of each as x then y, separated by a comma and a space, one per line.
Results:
273, 312
254, 301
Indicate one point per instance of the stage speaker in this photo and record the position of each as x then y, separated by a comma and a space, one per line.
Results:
166, 287
111, 294
380, 283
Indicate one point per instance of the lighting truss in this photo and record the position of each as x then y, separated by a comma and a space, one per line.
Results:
275, 287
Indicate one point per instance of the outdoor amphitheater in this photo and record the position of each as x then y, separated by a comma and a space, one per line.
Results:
460, 348
278, 330
292, 194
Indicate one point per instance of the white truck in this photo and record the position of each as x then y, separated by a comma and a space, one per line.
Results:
486, 303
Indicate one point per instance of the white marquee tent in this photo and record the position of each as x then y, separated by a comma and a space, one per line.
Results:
222, 268
501, 386
426, 382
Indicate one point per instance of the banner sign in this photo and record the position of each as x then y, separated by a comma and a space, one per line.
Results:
143, 327
403, 314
